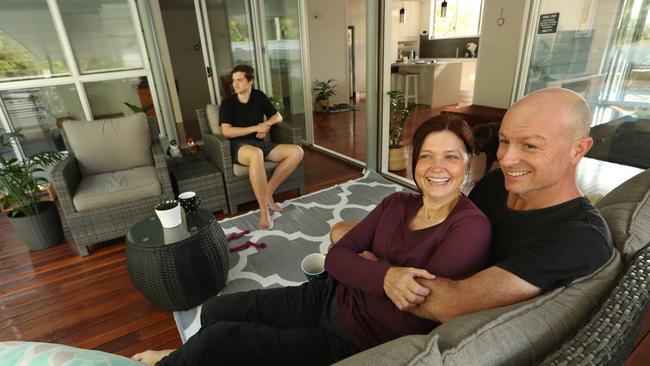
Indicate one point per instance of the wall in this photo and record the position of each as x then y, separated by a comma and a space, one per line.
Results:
500, 49
357, 19
189, 71
327, 27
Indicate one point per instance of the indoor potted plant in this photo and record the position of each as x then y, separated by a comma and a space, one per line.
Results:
323, 90
169, 213
399, 114
37, 223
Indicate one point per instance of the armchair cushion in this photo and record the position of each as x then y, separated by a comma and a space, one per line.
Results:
110, 145
109, 189
627, 212
212, 111
51, 354
242, 170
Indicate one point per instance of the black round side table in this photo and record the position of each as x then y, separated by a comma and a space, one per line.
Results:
178, 268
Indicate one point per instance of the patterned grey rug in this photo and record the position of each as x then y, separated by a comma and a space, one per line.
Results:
302, 228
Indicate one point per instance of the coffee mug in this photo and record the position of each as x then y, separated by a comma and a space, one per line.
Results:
313, 266
189, 201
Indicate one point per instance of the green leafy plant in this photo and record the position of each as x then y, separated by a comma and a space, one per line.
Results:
18, 179
165, 204
138, 109
276, 100
399, 114
323, 90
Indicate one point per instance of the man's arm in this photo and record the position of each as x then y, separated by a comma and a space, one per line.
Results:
229, 131
490, 288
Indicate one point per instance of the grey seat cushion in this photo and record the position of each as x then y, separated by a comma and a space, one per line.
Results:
212, 112
627, 212
519, 334
110, 189
110, 145
242, 170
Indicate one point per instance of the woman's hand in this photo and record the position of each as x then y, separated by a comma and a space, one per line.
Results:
400, 286
368, 255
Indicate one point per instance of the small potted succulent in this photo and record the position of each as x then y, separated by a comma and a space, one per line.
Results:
399, 114
169, 213
36, 223
323, 90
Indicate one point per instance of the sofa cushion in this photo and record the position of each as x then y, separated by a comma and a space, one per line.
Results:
110, 145
110, 189
50, 354
212, 111
627, 212
519, 334
242, 170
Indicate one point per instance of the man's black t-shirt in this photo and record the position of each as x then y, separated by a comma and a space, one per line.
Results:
548, 247
238, 114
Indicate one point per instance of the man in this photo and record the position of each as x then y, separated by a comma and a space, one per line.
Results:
246, 118
544, 232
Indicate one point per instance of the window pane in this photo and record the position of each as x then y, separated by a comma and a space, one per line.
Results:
102, 34
467, 17
107, 98
29, 47
461, 18
444, 26
38, 114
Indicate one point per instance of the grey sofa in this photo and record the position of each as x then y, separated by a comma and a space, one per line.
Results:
593, 321
237, 183
112, 178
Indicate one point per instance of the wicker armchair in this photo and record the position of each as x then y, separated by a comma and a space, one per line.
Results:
99, 203
237, 183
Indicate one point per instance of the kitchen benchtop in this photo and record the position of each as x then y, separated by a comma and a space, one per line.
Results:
433, 62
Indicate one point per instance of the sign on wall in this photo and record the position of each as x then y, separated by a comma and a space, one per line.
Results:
548, 23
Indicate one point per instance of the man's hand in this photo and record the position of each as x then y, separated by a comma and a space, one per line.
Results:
261, 135
263, 127
400, 286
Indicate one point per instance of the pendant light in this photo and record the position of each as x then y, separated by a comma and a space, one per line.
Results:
402, 14
443, 9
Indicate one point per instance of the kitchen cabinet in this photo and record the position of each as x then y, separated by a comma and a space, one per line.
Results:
410, 30
439, 82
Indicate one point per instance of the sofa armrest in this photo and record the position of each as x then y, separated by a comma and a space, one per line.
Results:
286, 133
217, 150
66, 178
160, 161
609, 336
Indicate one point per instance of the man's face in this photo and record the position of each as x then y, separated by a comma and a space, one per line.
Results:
240, 84
535, 149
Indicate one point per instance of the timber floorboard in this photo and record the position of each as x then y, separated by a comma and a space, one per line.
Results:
54, 295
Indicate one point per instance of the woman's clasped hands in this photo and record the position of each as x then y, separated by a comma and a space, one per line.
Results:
400, 286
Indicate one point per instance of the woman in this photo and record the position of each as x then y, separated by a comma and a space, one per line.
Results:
373, 268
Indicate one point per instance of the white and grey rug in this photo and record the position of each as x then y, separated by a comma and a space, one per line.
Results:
302, 228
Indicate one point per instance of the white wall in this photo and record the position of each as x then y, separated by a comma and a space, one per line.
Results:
357, 18
328, 44
500, 49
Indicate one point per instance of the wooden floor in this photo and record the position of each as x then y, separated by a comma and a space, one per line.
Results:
55, 296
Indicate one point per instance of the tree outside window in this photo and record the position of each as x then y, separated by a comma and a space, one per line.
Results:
462, 19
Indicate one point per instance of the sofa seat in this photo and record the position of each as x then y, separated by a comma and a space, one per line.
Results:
242, 170
109, 189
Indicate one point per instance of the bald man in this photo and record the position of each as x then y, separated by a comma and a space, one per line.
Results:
544, 232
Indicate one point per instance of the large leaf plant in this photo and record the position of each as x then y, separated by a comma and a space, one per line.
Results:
19, 180
399, 114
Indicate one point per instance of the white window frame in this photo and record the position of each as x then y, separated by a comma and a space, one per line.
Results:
432, 19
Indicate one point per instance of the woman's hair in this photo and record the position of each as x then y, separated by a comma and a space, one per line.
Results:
445, 121
248, 71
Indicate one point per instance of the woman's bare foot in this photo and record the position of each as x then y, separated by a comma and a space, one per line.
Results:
266, 222
151, 357
273, 206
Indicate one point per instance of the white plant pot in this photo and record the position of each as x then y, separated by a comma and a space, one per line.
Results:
170, 218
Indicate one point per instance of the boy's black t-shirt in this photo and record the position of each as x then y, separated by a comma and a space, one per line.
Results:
237, 114
548, 247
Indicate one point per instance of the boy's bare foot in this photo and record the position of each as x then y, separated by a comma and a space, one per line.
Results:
266, 222
151, 357
273, 206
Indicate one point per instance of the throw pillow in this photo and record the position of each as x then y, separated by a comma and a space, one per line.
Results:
627, 212
50, 354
